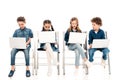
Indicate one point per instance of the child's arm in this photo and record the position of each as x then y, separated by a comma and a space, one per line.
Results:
90, 40
15, 34
28, 42
103, 35
66, 38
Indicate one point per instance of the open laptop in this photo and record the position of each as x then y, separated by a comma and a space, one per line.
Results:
76, 37
100, 43
47, 37
19, 43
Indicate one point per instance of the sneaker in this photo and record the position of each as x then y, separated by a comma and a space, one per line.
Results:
76, 72
103, 63
28, 73
11, 73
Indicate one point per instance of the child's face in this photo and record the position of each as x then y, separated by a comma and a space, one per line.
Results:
74, 24
47, 27
96, 27
21, 24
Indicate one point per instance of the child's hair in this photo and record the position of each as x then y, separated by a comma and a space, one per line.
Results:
47, 22
21, 19
97, 20
70, 28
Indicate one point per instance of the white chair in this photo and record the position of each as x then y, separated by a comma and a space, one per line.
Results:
46, 37
97, 56
82, 41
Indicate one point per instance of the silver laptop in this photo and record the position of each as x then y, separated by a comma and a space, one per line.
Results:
100, 43
47, 37
76, 37
19, 43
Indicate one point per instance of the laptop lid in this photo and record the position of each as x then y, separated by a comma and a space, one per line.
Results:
76, 37
47, 37
100, 43
19, 43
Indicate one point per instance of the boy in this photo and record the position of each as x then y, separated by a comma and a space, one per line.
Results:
26, 33
97, 33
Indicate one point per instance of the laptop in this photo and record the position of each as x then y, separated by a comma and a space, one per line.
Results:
76, 37
47, 37
19, 43
100, 43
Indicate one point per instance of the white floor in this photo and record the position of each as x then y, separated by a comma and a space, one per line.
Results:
96, 72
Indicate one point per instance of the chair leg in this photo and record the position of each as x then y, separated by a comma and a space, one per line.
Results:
33, 64
58, 66
63, 63
37, 64
109, 67
86, 70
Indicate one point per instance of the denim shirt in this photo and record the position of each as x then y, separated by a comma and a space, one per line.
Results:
24, 33
99, 35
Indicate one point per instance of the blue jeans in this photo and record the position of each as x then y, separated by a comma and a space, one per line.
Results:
14, 52
78, 50
105, 51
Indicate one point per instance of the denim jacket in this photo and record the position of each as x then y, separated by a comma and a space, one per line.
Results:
99, 35
66, 38
24, 33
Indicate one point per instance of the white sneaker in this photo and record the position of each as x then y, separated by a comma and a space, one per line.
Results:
76, 72
49, 71
103, 63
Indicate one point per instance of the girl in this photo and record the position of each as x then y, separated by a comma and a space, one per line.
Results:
48, 47
74, 27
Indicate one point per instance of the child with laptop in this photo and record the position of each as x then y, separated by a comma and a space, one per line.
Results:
48, 47
97, 33
22, 32
74, 27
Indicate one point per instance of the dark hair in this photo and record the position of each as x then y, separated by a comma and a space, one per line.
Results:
47, 22
74, 19
97, 20
21, 19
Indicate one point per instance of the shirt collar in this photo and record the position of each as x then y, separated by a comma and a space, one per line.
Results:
98, 30
23, 29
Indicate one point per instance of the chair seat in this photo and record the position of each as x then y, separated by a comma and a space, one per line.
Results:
41, 49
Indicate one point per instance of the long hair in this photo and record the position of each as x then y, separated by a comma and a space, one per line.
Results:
47, 22
77, 28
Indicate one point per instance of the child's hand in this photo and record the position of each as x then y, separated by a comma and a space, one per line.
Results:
90, 46
27, 45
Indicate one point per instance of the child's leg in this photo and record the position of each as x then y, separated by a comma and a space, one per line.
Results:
91, 54
50, 56
81, 52
13, 54
49, 50
27, 57
105, 52
77, 59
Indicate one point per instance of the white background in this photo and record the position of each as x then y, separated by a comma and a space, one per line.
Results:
59, 12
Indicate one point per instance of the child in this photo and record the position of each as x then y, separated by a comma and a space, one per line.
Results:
26, 33
49, 47
74, 27
97, 33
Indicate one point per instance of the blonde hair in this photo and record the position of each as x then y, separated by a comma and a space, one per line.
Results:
77, 28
